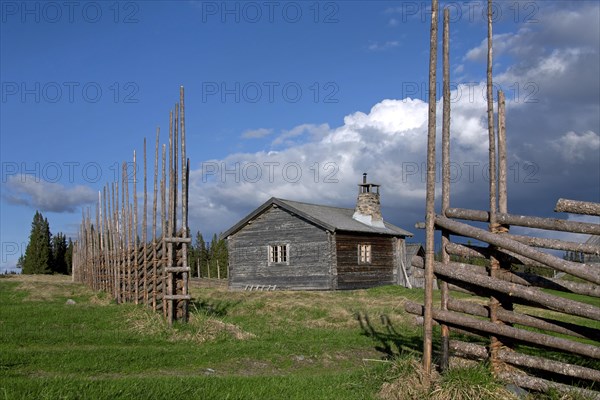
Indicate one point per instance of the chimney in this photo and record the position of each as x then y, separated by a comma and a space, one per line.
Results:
368, 207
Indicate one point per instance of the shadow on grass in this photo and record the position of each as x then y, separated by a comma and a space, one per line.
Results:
218, 308
391, 341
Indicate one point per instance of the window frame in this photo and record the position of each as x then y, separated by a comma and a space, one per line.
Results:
364, 253
278, 254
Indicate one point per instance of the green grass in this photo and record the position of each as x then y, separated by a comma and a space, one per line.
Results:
238, 345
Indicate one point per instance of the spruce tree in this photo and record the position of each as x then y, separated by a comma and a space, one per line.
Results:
69, 257
59, 252
38, 255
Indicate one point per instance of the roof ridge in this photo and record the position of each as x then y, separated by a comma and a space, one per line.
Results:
313, 204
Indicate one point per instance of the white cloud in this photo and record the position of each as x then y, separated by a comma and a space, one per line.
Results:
573, 147
388, 142
377, 46
256, 133
501, 43
30, 191
311, 130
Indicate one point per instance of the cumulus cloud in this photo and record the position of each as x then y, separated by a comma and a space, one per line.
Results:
388, 142
27, 190
553, 115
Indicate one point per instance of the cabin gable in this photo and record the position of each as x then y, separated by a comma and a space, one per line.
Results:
278, 247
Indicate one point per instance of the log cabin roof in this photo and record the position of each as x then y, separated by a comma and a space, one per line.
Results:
413, 249
330, 218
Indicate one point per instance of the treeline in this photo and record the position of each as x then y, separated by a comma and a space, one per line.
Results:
46, 253
211, 258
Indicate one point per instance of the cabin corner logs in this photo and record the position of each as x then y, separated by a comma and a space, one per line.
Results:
142, 262
505, 324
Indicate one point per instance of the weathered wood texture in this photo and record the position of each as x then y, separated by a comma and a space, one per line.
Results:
353, 275
577, 207
522, 360
309, 260
505, 325
538, 339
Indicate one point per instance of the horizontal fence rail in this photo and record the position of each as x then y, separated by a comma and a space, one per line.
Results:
511, 312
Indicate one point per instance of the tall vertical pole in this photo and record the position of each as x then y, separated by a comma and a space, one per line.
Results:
445, 356
502, 189
119, 243
136, 244
430, 197
126, 232
105, 228
154, 222
495, 343
184, 203
145, 228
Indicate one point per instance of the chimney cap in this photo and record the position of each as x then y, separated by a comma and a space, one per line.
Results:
365, 184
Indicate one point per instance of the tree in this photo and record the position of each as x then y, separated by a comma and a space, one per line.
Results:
20, 262
218, 257
69, 257
38, 255
59, 253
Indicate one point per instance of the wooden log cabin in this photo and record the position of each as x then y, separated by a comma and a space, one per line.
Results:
299, 246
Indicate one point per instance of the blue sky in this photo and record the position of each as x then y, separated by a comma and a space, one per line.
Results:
330, 89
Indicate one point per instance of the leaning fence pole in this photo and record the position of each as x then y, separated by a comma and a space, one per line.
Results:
445, 332
430, 197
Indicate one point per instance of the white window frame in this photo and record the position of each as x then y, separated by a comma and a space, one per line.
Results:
364, 253
278, 253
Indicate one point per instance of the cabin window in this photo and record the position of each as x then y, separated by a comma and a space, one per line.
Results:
364, 254
279, 253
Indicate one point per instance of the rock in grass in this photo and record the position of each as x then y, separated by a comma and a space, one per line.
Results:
70, 302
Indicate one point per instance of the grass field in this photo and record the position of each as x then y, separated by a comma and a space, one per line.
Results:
238, 345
